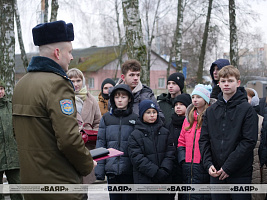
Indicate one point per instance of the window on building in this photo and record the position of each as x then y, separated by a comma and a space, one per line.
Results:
91, 83
161, 83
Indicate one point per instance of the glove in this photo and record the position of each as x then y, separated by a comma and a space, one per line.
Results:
99, 177
160, 176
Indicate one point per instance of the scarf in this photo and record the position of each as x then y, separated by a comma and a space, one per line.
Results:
80, 98
105, 96
82, 93
177, 120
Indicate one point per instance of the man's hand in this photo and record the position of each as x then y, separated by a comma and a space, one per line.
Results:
223, 174
213, 172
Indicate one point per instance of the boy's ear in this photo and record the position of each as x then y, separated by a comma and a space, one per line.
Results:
238, 82
123, 77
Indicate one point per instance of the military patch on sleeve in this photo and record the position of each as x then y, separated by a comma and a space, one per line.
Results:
66, 106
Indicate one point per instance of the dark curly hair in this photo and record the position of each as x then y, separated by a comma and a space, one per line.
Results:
132, 65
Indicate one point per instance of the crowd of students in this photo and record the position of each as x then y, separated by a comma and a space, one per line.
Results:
182, 138
215, 135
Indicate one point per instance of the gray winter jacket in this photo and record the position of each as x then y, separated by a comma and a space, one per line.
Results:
140, 93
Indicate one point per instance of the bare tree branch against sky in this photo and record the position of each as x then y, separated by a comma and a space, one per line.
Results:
89, 31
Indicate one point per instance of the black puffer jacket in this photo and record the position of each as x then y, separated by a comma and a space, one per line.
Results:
145, 93
175, 129
151, 151
263, 142
229, 135
166, 105
114, 130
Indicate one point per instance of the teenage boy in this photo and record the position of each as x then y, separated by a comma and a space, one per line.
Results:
131, 70
114, 131
228, 135
215, 67
175, 85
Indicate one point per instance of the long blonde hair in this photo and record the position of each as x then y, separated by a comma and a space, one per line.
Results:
191, 117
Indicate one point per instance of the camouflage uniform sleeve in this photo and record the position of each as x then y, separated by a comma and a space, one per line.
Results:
62, 113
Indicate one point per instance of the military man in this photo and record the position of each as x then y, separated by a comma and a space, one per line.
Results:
9, 161
51, 149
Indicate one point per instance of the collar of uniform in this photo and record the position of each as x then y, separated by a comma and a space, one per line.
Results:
44, 64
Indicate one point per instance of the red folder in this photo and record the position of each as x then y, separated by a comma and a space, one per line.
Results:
112, 153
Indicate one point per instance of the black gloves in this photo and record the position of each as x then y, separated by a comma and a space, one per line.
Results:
160, 176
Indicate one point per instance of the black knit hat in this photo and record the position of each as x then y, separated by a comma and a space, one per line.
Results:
177, 78
52, 32
107, 80
183, 98
145, 105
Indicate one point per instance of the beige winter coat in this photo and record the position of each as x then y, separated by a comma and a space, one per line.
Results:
90, 114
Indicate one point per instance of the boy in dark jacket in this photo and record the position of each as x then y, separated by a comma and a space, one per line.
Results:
214, 73
114, 130
229, 134
151, 150
175, 85
131, 73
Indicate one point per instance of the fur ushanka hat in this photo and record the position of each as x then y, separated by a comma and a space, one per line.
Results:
52, 32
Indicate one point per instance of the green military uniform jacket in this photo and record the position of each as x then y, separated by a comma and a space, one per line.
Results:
8, 146
51, 149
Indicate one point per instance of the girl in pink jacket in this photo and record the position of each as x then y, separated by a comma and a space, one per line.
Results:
188, 148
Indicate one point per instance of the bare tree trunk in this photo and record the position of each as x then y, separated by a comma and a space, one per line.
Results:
178, 37
7, 47
120, 38
151, 36
204, 44
134, 38
44, 11
170, 62
21, 44
54, 8
233, 35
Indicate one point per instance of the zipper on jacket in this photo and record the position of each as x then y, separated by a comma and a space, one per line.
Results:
119, 145
224, 115
155, 145
193, 151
